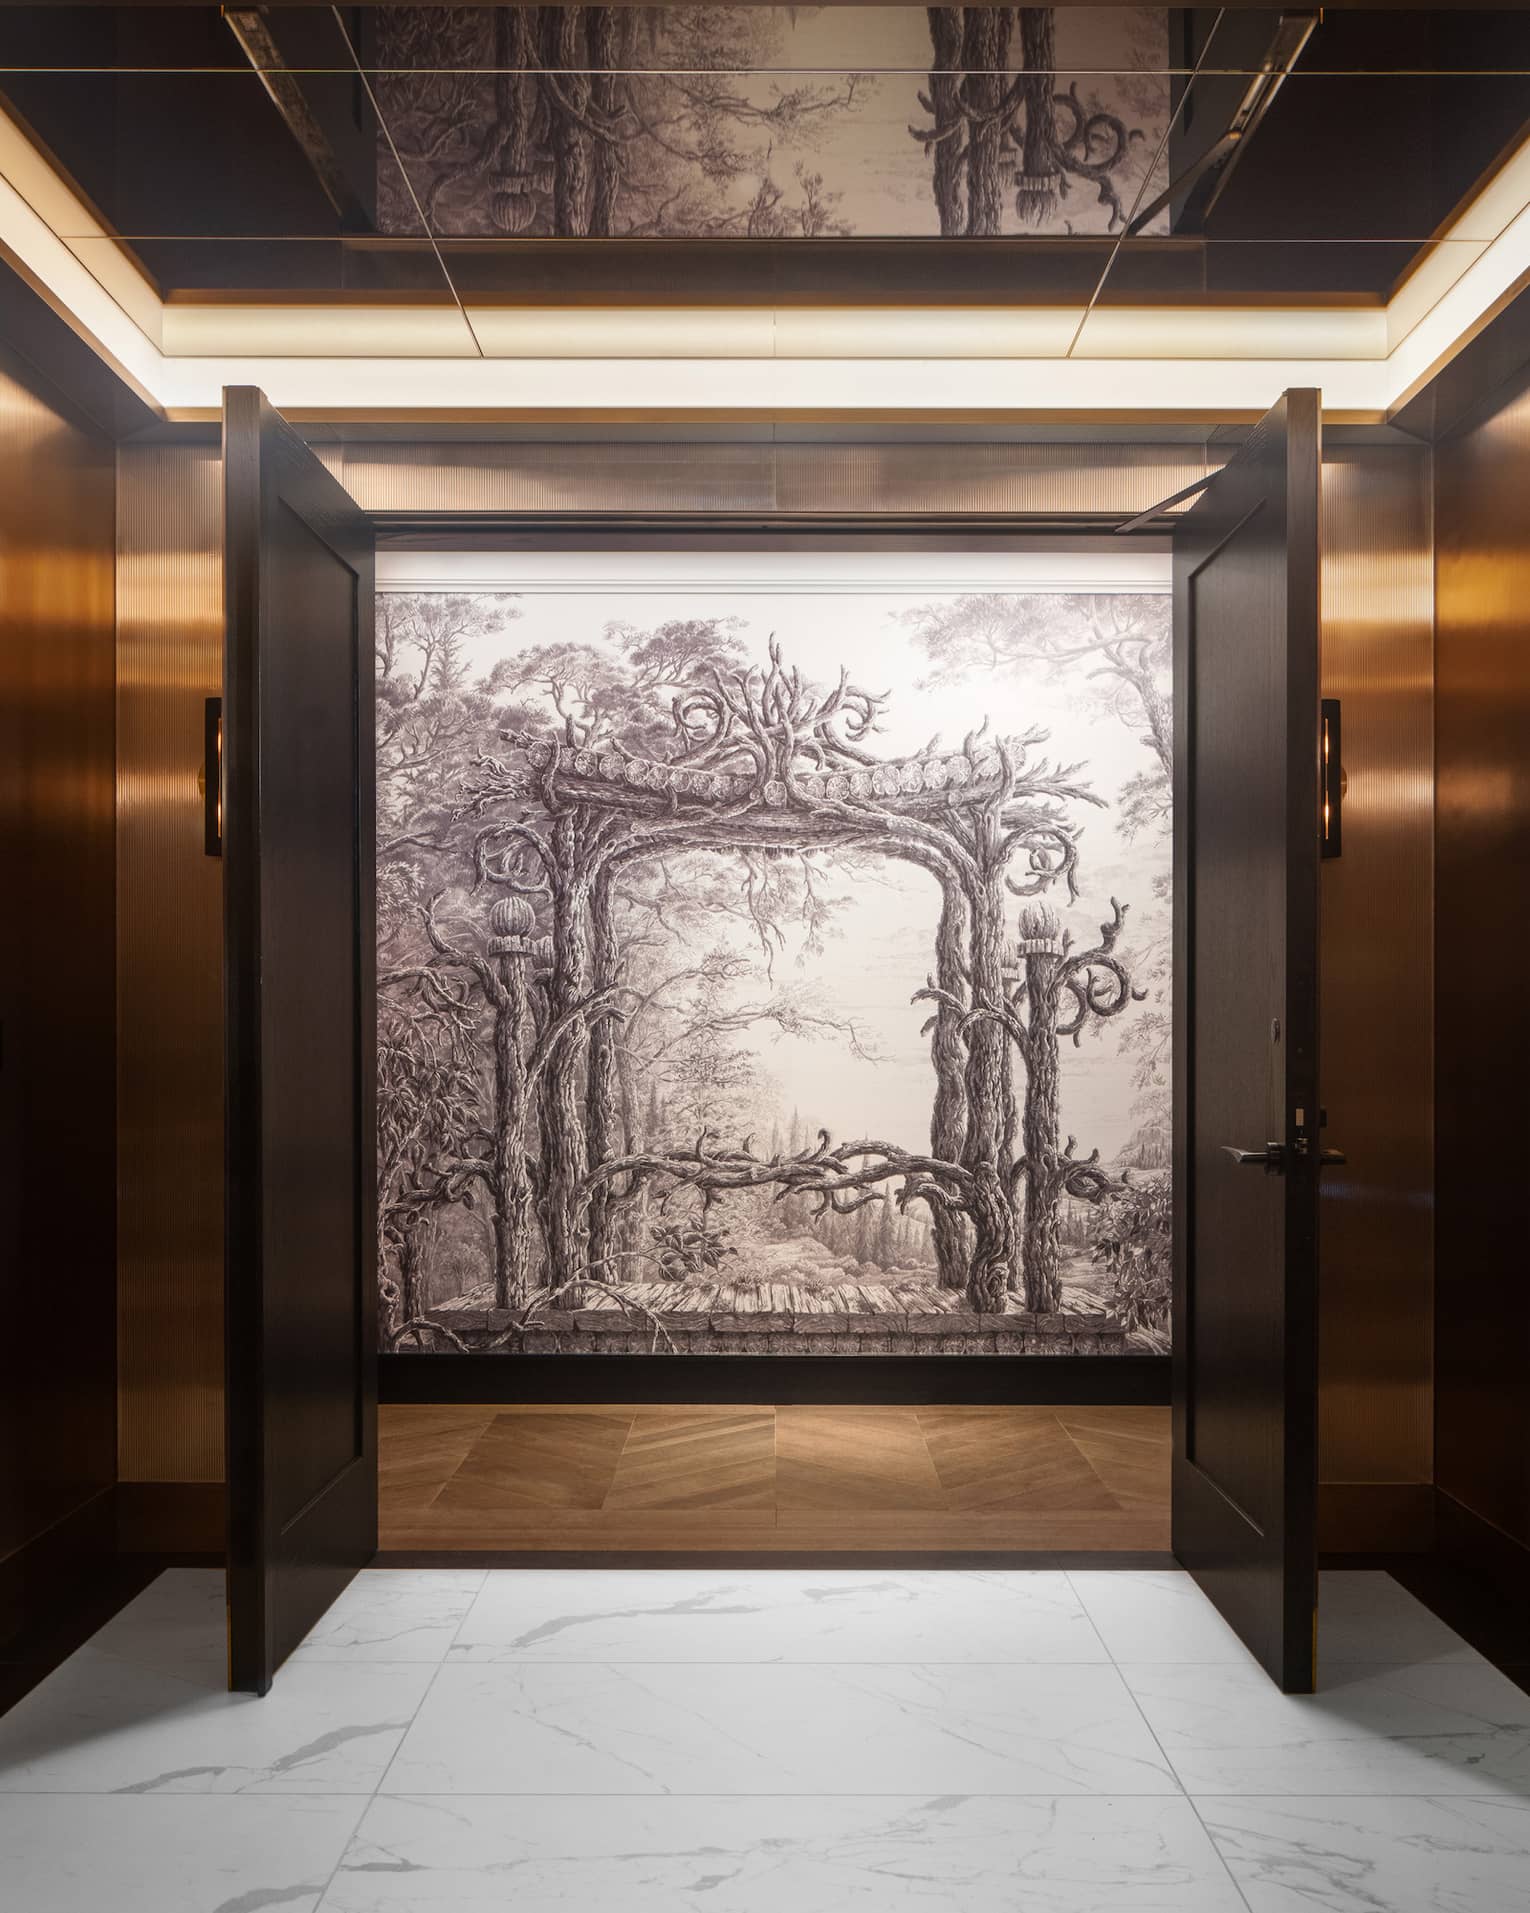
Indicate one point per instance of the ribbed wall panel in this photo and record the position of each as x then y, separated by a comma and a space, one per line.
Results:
866, 479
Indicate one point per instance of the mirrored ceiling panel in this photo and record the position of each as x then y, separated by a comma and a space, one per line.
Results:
1038, 156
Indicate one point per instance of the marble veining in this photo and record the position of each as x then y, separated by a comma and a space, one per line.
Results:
100, 1726
1352, 1855
763, 1615
769, 1741
731, 1728
796, 1854
1438, 1727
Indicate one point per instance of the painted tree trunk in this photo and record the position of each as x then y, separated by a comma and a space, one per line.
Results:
948, 1052
610, 42
989, 1081
993, 1219
516, 109
985, 55
601, 1085
948, 156
513, 1203
1036, 193
409, 1259
1039, 1255
564, 1158
564, 55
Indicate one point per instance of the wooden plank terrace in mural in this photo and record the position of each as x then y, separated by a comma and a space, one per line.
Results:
514, 1086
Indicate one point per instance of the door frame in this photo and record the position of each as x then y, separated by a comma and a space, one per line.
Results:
1137, 1379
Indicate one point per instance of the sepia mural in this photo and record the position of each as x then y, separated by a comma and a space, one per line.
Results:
769, 122
777, 970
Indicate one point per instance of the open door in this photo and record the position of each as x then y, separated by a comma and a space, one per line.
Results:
1247, 1143
299, 1020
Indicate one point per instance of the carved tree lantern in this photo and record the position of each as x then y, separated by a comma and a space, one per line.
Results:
511, 922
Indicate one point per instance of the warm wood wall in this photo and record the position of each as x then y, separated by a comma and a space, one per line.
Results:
1375, 1394
169, 969
1482, 1007
57, 1039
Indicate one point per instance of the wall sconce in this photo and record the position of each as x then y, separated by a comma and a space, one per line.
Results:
210, 782
1333, 780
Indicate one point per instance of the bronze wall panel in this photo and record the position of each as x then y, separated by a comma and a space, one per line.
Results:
169, 968
1482, 1009
1377, 973
57, 1152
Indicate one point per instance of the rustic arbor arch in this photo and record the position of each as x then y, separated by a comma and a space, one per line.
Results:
765, 763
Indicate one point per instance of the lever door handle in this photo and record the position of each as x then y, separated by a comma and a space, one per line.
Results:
1271, 1159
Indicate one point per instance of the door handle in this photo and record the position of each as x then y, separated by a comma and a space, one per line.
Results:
1271, 1159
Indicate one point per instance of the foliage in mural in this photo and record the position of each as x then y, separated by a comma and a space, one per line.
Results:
759, 122
623, 869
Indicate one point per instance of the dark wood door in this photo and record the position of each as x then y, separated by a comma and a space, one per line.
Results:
1247, 1120
299, 973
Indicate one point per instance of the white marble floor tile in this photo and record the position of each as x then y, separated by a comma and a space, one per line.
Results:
777, 1615
59, 1854
1437, 1728
782, 1855
395, 1614
178, 1623
1156, 1616
1370, 1617
589, 1727
1376, 1856
100, 1725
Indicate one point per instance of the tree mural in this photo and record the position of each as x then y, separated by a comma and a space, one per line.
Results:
573, 137
728, 122
992, 126
583, 815
1120, 646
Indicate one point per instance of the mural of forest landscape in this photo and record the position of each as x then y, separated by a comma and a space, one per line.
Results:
758, 122
774, 970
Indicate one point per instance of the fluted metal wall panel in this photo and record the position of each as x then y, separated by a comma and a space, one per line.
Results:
169, 968
764, 478
1051, 480
1377, 1275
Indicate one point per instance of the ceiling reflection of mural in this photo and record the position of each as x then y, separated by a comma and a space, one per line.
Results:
771, 122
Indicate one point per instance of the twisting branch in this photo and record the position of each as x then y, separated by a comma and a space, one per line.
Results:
1098, 997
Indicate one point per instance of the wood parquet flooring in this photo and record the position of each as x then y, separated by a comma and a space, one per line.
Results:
757, 1478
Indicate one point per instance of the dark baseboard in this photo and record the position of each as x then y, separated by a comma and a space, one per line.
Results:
180, 1518
963, 1560
49, 1568
1375, 1517
879, 1379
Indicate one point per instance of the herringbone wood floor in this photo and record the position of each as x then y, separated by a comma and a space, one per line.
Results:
761, 1478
